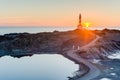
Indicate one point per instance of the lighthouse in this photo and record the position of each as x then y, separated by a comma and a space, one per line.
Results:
79, 24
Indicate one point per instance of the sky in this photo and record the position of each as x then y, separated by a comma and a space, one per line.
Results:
59, 12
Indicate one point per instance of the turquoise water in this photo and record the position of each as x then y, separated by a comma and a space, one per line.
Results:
6, 30
37, 67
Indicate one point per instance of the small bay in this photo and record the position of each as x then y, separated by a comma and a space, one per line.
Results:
37, 67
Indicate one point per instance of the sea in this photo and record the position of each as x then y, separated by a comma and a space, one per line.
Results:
34, 29
7, 30
36, 67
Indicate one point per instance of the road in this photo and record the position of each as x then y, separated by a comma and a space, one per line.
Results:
93, 70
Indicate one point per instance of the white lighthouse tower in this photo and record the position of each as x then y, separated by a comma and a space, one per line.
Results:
80, 24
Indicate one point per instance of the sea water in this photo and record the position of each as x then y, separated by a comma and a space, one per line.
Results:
30, 29
6, 30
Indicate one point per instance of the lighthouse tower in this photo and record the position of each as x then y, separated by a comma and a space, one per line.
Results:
79, 25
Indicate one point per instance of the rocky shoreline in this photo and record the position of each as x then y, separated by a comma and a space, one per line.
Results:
24, 44
21, 44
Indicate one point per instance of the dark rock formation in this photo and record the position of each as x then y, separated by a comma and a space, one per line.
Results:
21, 44
25, 44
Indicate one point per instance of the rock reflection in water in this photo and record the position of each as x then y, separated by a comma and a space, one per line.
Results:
37, 67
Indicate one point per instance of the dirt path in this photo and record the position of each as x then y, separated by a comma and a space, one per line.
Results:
93, 70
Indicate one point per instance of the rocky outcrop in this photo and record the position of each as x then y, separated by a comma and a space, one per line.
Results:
25, 44
21, 44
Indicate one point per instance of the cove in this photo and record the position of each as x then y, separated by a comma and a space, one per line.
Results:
37, 67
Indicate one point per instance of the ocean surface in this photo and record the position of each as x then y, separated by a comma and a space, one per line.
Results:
37, 67
6, 30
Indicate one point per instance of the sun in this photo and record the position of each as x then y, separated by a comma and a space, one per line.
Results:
87, 24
